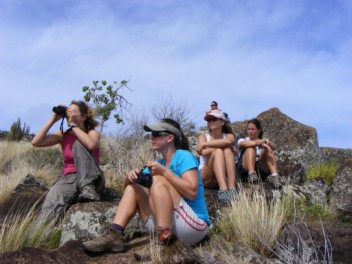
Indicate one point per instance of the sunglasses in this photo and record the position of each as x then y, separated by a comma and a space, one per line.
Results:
212, 119
159, 133
212, 105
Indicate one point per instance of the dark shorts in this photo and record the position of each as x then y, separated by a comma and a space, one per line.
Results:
243, 173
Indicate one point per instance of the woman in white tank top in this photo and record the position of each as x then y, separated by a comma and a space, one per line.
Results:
217, 159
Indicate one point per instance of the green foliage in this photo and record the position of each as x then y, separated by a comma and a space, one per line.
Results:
302, 209
17, 132
325, 170
106, 99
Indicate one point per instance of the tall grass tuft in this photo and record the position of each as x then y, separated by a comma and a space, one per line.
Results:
25, 228
325, 170
254, 222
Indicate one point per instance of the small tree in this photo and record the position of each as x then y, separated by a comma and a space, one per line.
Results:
17, 132
178, 111
106, 99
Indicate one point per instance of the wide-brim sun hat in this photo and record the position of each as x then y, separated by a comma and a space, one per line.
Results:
162, 126
215, 113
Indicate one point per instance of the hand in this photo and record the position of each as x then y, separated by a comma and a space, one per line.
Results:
234, 150
156, 168
200, 147
133, 175
72, 117
267, 148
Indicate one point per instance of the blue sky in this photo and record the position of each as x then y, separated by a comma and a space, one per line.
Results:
247, 55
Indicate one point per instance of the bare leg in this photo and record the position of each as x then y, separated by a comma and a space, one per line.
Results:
163, 199
267, 162
249, 157
230, 167
135, 198
215, 168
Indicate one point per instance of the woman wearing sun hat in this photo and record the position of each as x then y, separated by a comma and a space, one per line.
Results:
217, 159
173, 205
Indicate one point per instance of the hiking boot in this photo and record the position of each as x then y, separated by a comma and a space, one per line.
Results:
274, 180
111, 241
253, 177
223, 196
88, 194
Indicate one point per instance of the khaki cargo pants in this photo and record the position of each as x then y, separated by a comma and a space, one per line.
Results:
66, 189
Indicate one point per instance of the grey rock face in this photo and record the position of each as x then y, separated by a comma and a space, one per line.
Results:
341, 194
89, 220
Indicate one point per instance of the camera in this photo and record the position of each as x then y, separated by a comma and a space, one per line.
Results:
144, 179
60, 110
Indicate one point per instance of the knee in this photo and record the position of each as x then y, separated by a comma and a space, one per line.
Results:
158, 182
218, 152
228, 152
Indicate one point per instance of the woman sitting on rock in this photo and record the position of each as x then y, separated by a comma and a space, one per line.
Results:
81, 178
217, 157
257, 154
173, 204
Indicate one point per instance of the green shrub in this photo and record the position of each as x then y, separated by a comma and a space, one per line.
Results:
300, 208
17, 132
325, 170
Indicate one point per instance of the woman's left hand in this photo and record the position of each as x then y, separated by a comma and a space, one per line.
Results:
155, 168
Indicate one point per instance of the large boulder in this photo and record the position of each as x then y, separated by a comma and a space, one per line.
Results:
86, 221
341, 194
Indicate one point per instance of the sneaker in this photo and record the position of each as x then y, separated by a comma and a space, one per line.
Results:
274, 180
233, 193
111, 241
253, 177
223, 196
88, 194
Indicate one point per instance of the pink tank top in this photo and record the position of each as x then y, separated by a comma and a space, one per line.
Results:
66, 145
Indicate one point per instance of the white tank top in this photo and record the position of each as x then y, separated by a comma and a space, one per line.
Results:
204, 159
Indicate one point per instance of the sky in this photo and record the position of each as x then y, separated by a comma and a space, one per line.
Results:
248, 55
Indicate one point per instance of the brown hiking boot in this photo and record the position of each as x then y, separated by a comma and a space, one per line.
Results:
88, 194
253, 177
111, 241
274, 180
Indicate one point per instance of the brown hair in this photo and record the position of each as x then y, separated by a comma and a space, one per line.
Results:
90, 123
258, 125
180, 142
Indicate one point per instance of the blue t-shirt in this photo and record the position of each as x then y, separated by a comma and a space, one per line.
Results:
181, 162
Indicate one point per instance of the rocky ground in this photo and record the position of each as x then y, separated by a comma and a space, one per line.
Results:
340, 236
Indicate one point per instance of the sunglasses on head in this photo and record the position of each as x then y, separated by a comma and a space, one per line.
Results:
212, 119
159, 133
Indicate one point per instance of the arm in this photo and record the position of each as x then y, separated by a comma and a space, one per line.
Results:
258, 142
207, 147
186, 185
89, 140
42, 139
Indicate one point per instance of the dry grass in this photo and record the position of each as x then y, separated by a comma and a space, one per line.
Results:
255, 222
123, 154
17, 159
23, 228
